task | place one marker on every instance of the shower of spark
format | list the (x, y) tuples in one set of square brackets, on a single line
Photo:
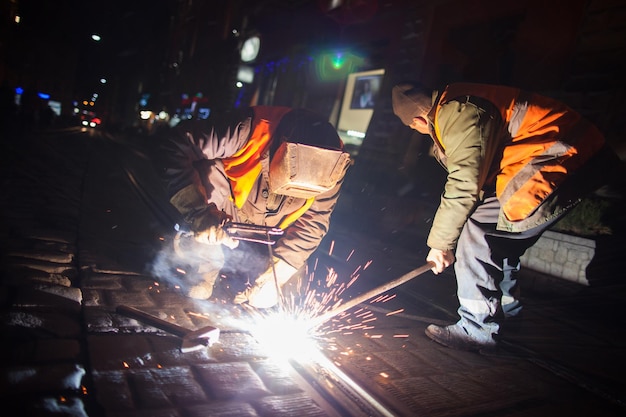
[(286, 332), (290, 332)]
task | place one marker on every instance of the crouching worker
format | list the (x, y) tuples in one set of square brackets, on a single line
[(266, 166)]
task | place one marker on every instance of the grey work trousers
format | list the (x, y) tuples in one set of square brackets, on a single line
[(487, 262)]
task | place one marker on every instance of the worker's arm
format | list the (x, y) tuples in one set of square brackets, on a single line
[(183, 147), (303, 237), (466, 134)]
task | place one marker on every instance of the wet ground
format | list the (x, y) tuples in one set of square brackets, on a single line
[(82, 226)]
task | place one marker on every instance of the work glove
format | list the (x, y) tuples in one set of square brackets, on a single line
[(263, 293), (205, 219)]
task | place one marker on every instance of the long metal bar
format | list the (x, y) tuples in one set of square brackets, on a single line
[(151, 320), (319, 320)]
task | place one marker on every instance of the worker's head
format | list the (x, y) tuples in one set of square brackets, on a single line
[(411, 103), (307, 158)]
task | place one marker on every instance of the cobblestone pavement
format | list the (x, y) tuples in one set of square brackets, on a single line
[(79, 230)]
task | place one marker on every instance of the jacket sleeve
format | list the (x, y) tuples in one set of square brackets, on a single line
[(303, 237), (192, 141), (466, 131)]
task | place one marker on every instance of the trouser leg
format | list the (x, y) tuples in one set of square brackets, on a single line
[(487, 262)]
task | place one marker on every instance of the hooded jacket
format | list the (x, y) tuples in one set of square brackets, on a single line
[(521, 146), (229, 156)]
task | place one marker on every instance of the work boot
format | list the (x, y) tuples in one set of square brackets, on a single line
[(456, 336), (204, 289)]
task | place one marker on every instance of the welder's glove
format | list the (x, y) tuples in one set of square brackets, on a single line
[(206, 220), (263, 293)]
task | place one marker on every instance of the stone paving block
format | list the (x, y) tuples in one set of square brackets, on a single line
[(90, 280), (97, 260), (103, 320), (221, 409), (49, 256), (275, 378), (235, 346), (117, 352), (69, 293), (352, 343), (45, 266), (21, 276), (406, 363), (171, 314), (140, 283), (231, 380), (165, 295), (517, 384), (289, 406), (150, 393), (476, 398), (61, 405), (165, 387), (94, 298), (139, 299), (42, 351), (469, 360), (168, 412), (439, 358), (371, 367), (387, 340), (112, 391), (45, 378), (467, 388), (67, 237), (44, 246), (62, 210), (42, 323), (426, 398), (167, 352)]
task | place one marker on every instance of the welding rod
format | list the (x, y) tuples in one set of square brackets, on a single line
[(321, 319)]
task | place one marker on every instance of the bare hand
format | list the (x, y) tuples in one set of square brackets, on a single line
[(441, 258)]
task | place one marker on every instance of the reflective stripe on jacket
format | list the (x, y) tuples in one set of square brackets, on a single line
[(244, 166), (547, 141)]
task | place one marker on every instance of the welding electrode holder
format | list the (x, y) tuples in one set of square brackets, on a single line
[(237, 231), (247, 232)]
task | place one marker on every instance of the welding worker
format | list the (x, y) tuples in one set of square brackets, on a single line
[(516, 162), (262, 165)]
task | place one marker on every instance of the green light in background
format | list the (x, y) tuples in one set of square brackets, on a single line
[(338, 61), (336, 65)]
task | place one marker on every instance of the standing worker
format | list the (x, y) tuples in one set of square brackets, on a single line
[(516, 162), (269, 166)]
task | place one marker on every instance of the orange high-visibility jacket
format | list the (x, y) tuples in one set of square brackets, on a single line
[(529, 147)]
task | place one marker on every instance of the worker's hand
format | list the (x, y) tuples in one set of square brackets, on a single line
[(441, 258), (206, 220), (207, 225), (264, 292)]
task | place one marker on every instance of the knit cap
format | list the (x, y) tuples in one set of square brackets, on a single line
[(404, 99)]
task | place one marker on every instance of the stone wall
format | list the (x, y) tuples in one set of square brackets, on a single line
[(560, 255)]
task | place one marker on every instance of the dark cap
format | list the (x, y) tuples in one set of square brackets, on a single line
[(405, 99)]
